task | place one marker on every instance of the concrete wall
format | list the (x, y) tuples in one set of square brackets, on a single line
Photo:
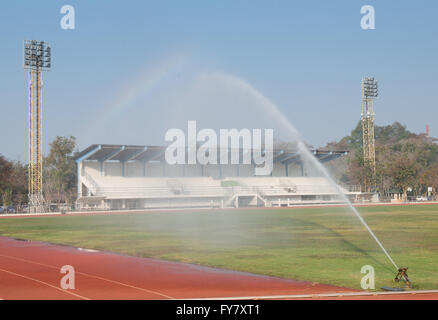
[(90, 167), (246, 170), (175, 170), (279, 170), (154, 169), (294, 169), (134, 169), (193, 170), (112, 168), (212, 170), (229, 170)]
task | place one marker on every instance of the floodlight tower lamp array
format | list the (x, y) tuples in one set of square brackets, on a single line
[(36, 58), (369, 93)]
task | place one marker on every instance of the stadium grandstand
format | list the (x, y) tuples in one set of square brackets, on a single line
[(115, 177)]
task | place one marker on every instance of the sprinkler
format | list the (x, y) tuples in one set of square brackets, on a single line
[(403, 275)]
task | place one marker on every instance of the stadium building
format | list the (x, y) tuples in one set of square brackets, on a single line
[(114, 177)]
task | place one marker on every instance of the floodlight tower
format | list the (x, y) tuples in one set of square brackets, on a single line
[(369, 92), (37, 58)]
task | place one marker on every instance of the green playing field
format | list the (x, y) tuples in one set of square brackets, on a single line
[(325, 245)]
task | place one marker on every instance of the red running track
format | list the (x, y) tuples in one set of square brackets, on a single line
[(31, 270)]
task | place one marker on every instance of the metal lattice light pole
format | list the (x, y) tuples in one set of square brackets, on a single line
[(37, 58), (369, 92)]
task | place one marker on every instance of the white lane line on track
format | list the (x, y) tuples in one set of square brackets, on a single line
[(45, 283), (91, 276), (321, 295)]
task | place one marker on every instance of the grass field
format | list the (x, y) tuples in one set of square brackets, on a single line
[(325, 245)]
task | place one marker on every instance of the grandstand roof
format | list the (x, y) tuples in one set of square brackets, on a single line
[(106, 152)]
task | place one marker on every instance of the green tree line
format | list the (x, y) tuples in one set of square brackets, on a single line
[(404, 160), (59, 175)]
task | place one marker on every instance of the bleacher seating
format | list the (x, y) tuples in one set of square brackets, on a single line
[(126, 177), (277, 190)]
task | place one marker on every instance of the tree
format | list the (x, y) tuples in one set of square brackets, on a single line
[(13, 182), (354, 140), (5, 173), (404, 173), (19, 183), (429, 178), (403, 159), (60, 170), (7, 197), (6, 170), (391, 133)]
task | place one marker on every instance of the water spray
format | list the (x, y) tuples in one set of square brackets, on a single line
[(402, 274), (271, 109), (308, 155)]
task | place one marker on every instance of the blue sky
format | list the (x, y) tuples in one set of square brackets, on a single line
[(122, 75)]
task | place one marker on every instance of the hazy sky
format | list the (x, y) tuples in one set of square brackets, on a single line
[(131, 69)]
